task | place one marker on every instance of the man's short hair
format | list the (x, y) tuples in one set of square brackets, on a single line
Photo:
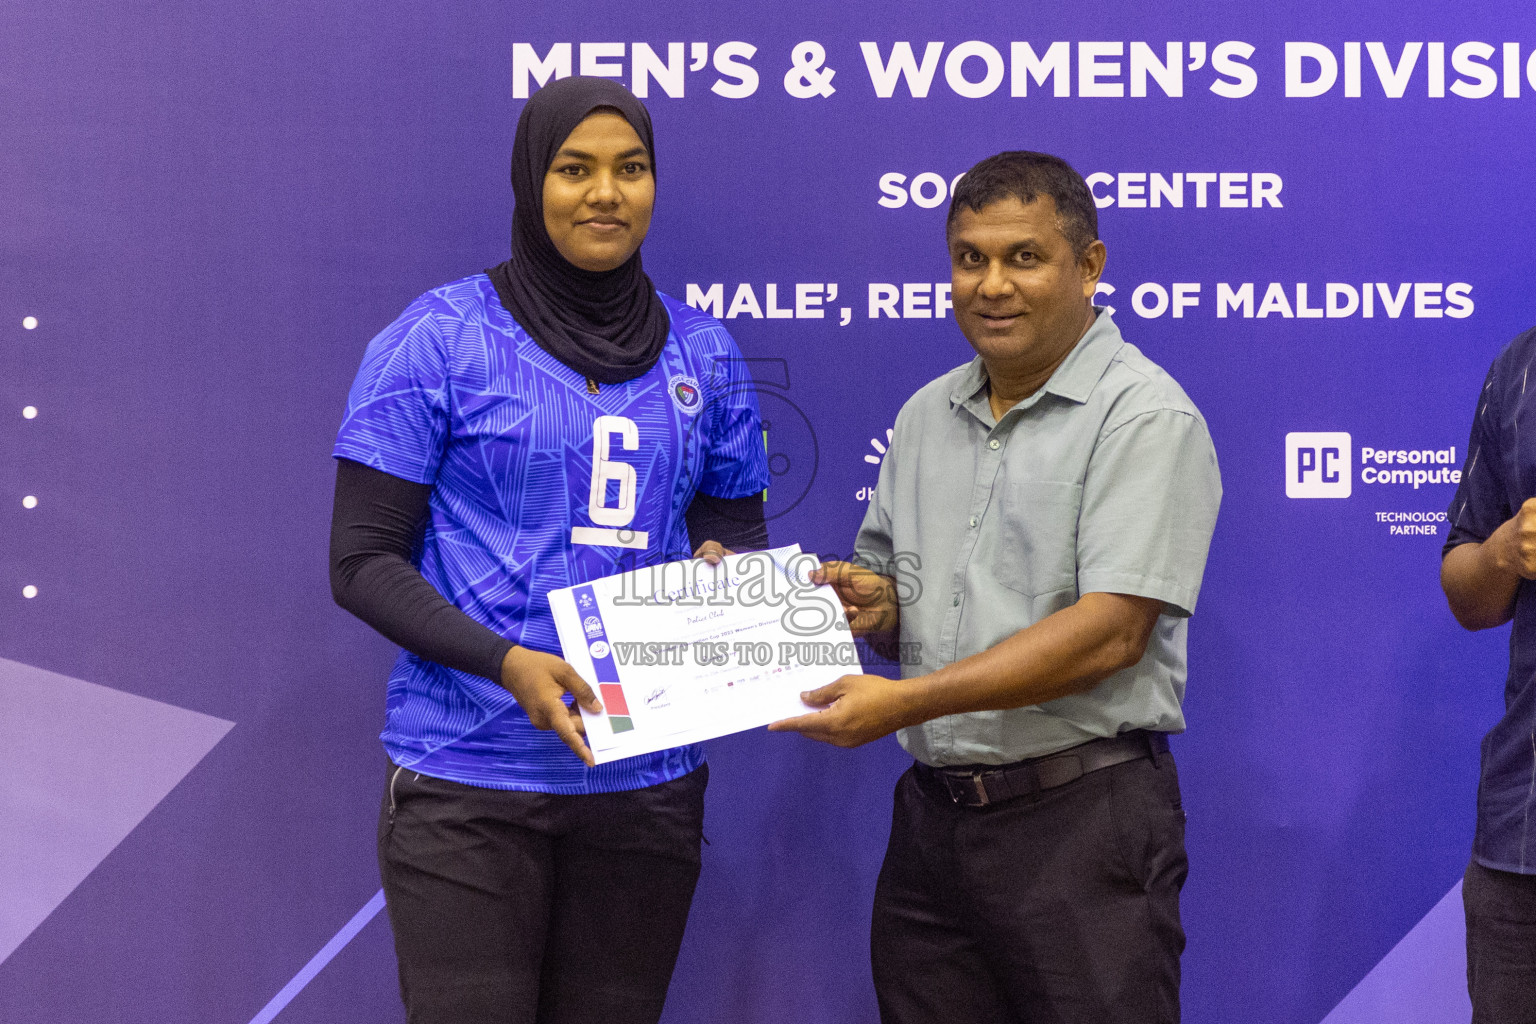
[(1026, 176)]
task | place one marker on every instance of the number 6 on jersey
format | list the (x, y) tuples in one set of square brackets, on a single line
[(612, 518)]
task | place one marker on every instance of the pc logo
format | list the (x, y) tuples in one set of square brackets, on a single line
[(1318, 465)]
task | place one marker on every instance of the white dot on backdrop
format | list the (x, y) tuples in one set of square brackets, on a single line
[(29, 591), (29, 413), (29, 322), (30, 501)]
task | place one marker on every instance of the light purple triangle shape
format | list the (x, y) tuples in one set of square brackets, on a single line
[(1422, 981), (80, 766)]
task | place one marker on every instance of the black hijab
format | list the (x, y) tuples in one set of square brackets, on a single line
[(607, 325)]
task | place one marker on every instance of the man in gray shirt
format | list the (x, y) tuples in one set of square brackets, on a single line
[(1037, 537)]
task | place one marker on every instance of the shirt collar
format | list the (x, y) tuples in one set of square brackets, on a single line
[(1073, 380)]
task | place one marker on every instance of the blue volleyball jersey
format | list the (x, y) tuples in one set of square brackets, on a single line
[(537, 484)]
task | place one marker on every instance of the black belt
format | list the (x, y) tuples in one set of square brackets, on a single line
[(981, 785)]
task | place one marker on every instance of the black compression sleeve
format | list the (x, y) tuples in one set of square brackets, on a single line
[(737, 523), (375, 523)]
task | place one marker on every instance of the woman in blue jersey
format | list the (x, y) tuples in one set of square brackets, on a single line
[(523, 882)]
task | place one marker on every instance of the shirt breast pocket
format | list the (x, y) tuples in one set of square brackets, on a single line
[(1036, 535)]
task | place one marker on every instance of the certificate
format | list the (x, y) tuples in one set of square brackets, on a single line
[(687, 651)]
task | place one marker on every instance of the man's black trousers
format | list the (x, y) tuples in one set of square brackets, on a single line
[(1061, 907), (1501, 945), (531, 908)]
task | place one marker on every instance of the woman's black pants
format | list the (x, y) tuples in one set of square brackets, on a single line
[(532, 908)]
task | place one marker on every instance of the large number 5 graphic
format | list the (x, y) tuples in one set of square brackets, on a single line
[(613, 517)]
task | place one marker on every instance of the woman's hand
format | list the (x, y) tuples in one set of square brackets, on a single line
[(712, 551), (539, 682)]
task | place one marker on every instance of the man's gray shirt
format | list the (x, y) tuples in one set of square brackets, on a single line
[(1104, 480)]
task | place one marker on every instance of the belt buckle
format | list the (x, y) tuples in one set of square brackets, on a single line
[(981, 789), (966, 785)]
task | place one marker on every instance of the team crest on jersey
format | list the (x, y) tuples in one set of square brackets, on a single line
[(685, 393)]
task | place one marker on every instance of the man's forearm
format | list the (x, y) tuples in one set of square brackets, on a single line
[(1479, 583), (1068, 652)]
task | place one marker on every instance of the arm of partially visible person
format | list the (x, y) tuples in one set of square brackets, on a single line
[(1490, 547), (1480, 580), (374, 525)]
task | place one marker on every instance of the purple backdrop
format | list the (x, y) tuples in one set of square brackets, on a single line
[(209, 209)]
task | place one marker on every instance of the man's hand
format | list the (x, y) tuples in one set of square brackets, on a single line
[(1481, 580), (857, 709), (1515, 542), (539, 681), (869, 599)]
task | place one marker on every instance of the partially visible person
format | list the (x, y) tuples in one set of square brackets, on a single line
[(1050, 504), (551, 421), (1486, 569)]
